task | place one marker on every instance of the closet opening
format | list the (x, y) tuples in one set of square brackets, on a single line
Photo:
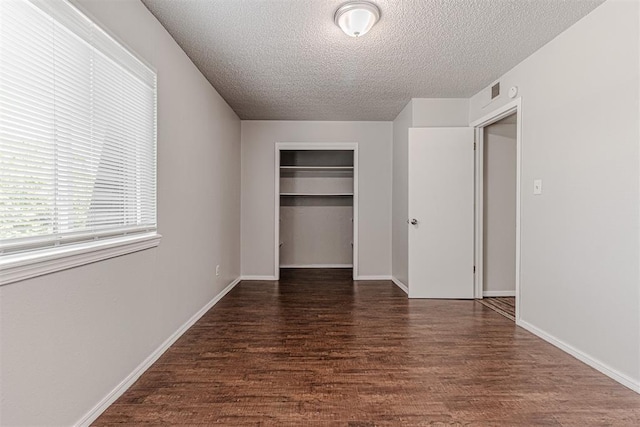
[(497, 222), (316, 207)]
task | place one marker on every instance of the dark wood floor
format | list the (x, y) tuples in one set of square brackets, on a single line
[(503, 305), (318, 349)]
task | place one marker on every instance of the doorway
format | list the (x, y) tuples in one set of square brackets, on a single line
[(499, 216), (446, 210), (497, 233)]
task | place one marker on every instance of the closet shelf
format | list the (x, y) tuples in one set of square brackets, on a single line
[(316, 168), (316, 194)]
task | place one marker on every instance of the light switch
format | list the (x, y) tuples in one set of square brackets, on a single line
[(537, 186)]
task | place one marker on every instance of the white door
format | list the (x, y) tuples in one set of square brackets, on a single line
[(441, 200)]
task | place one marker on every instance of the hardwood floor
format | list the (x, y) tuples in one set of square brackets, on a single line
[(318, 349), (503, 305)]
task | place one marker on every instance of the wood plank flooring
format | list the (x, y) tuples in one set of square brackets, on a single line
[(317, 349), (503, 305)]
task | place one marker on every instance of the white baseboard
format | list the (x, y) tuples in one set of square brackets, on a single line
[(373, 278), (583, 357), (318, 266), (499, 293), (114, 394), (401, 285), (258, 278)]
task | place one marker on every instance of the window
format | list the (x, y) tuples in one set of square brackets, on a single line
[(77, 133)]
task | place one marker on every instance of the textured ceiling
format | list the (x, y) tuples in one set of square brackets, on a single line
[(287, 60)]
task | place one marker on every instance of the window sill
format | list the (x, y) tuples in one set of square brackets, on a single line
[(17, 267)]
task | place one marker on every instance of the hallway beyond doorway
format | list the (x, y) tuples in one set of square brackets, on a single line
[(503, 305)]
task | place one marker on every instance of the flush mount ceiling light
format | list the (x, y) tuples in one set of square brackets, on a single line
[(357, 17)]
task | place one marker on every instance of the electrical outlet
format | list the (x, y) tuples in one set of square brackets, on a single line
[(537, 186), (217, 270)]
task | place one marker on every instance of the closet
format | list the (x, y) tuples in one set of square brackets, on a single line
[(316, 208)]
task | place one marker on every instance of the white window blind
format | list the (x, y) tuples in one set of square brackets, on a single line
[(77, 130)]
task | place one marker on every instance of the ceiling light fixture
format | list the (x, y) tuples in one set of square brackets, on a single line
[(357, 17)]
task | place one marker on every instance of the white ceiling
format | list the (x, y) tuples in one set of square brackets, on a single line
[(287, 60)]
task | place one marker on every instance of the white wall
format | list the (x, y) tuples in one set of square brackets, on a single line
[(440, 112), (69, 338), (419, 112), (499, 243), (580, 133), (258, 187), (316, 232)]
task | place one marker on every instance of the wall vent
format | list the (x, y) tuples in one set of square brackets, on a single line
[(495, 90)]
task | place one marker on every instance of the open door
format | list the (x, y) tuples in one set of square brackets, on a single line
[(441, 212)]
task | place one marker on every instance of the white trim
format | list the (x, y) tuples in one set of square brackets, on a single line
[(318, 266), (383, 277), (583, 357), (487, 294), (347, 146), (317, 168), (518, 109), (263, 278), (21, 266), (317, 146), (401, 285), (514, 106), (317, 194), (638, 229), (276, 217), (497, 114), (104, 28), (478, 235), (356, 210), (111, 397)]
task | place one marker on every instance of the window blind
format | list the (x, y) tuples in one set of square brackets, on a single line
[(77, 130)]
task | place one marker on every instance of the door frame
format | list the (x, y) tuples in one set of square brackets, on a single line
[(283, 146), (500, 113)]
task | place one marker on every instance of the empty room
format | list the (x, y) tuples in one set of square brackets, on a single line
[(324, 213)]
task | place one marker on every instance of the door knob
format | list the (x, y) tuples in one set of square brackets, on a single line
[(412, 221)]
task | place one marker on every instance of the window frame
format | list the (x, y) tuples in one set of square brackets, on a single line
[(26, 265), (29, 263)]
